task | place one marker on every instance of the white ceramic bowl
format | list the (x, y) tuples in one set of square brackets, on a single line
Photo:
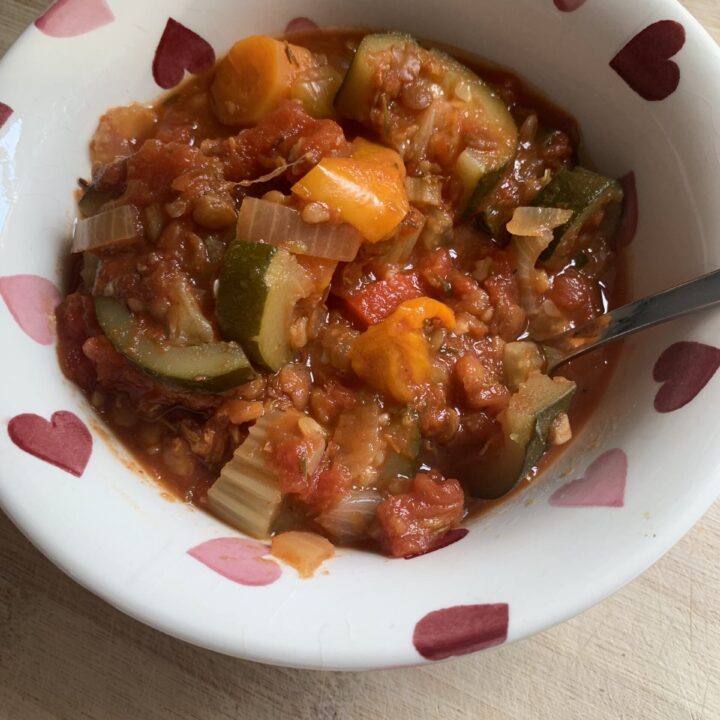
[(542, 557)]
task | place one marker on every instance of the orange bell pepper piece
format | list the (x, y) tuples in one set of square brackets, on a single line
[(393, 356), (366, 189)]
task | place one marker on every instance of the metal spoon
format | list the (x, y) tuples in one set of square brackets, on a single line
[(703, 292)]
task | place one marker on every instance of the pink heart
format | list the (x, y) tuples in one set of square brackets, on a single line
[(70, 18), (180, 49), (568, 5), (645, 64), (31, 300), (65, 441), (602, 486), (450, 537), (5, 112), (461, 630), (239, 560), (685, 368), (300, 24), (631, 213)]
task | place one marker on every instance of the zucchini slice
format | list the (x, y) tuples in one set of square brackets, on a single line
[(526, 426), (258, 290), (521, 359), (402, 450), (93, 199), (210, 367), (354, 98), (584, 192), (247, 493), (479, 173), (489, 130)]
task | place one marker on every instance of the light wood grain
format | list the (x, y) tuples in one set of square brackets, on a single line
[(651, 651)]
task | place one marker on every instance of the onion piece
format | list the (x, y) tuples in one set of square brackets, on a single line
[(532, 231), (349, 520), (186, 323), (418, 147), (273, 223), (426, 190), (398, 249), (537, 221), (305, 551), (110, 228)]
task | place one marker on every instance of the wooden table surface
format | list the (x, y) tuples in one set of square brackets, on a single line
[(652, 651)]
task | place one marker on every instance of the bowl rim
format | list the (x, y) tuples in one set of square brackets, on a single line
[(129, 603)]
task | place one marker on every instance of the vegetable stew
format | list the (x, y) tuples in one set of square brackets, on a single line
[(307, 286)]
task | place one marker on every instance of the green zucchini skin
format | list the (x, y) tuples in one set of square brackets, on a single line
[(352, 99), (584, 192), (403, 451), (544, 418), (357, 95), (93, 199), (258, 288), (520, 360), (526, 427), (211, 367), (485, 185)]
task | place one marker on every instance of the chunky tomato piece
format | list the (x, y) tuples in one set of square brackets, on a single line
[(434, 270), (76, 322), (575, 296), (373, 302), (319, 488), (117, 375), (501, 284), (413, 521), (153, 169), (287, 133)]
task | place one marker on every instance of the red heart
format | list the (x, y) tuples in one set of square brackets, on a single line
[(5, 112), (70, 18), (461, 630), (300, 24), (645, 64), (31, 300), (602, 486), (449, 538), (685, 368), (569, 5), (65, 441), (239, 560), (180, 49), (631, 213)]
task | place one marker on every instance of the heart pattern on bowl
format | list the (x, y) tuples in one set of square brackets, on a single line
[(5, 112), (461, 630), (70, 18), (449, 538), (300, 24), (645, 62), (180, 49), (242, 561), (603, 484), (569, 5), (63, 441), (684, 368), (31, 300)]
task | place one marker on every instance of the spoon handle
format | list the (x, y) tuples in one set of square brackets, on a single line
[(689, 297)]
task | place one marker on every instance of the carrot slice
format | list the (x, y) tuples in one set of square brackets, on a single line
[(254, 77)]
